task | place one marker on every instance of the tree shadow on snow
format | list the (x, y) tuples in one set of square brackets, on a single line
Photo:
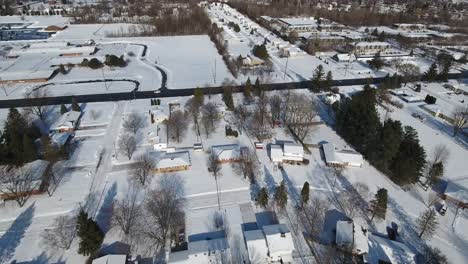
[(269, 181), (41, 259), (104, 215), (12, 237)]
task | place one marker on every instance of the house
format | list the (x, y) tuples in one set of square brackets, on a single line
[(410, 27), (61, 139), (171, 161), (226, 153), (256, 246), (288, 25), (293, 152), (331, 98), (291, 51), (68, 122), (202, 252), (111, 259), (352, 237), (157, 136), (456, 193), (384, 250), (33, 171), (158, 116), (288, 152), (369, 48), (280, 243), (341, 158), (344, 57)]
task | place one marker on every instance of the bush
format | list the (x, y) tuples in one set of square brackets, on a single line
[(430, 99), (261, 51), (112, 60), (94, 64)]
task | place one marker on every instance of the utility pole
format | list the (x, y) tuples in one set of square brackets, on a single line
[(286, 67)]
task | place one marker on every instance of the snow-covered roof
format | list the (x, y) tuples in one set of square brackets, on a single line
[(111, 259), (48, 44), (159, 115), (256, 246), (25, 75), (374, 44), (210, 245), (172, 159), (67, 120), (178, 257), (349, 234), (226, 152), (298, 21), (60, 138), (293, 149), (276, 153), (345, 57), (457, 190), (340, 157), (383, 249), (278, 238)]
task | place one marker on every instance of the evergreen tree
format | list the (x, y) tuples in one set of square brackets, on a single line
[(436, 171), (427, 223), (257, 87), (379, 204), (376, 63), (199, 96), (62, 69), (357, 120), (63, 109), (12, 138), (305, 193), (248, 89), (386, 144), (328, 81), (91, 236), (75, 106), (227, 98), (431, 74), (317, 78), (261, 51), (262, 197), (281, 195), (407, 166), (29, 150)]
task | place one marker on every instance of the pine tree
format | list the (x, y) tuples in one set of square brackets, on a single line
[(227, 98), (305, 193), (262, 197), (257, 87), (12, 138), (63, 109), (386, 145), (427, 223), (328, 81), (248, 89), (379, 204), (431, 74), (435, 173), (376, 63), (75, 106), (199, 97), (407, 166), (281, 195), (91, 236), (317, 78), (29, 150)]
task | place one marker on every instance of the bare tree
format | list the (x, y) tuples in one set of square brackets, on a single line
[(300, 114), (248, 165), (260, 124), (165, 209), (193, 108), (460, 117), (210, 117), (409, 72), (215, 168), (39, 107), (128, 211), (18, 183), (241, 113), (432, 255), (143, 168), (177, 125), (313, 215), (127, 144), (55, 175), (133, 122), (275, 108), (427, 223), (62, 233), (435, 166)]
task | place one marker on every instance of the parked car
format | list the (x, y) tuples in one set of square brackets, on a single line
[(442, 208)]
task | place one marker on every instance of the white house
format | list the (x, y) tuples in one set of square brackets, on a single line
[(276, 153), (352, 237), (66, 123), (341, 158), (344, 57), (171, 161), (293, 152), (280, 243), (256, 246), (111, 259), (202, 252), (157, 136), (226, 153), (384, 250)]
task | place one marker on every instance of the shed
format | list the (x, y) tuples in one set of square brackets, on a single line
[(341, 158), (293, 152), (276, 153)]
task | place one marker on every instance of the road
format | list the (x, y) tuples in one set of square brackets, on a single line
[(123, 96)]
